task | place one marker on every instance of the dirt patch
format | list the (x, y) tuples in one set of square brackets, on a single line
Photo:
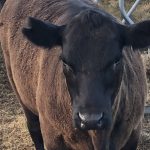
[(13, 130)]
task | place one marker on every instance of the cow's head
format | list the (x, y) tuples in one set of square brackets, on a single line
[(92, 44)]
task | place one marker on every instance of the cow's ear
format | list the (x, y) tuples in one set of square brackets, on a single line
[(43, 34), (137, 35)]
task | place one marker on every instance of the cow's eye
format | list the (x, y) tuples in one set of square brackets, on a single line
[(67, 68), (116, 64)]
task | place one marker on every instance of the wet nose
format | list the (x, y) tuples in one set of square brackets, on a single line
[(91, 121)]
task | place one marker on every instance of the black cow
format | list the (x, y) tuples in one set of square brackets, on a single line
[(85, 89)]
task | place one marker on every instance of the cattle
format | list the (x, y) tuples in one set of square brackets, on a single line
[(77, 73)]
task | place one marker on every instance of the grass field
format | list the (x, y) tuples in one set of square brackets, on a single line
[(13, 130)]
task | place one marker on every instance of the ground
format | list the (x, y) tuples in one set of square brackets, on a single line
[(13, 130)]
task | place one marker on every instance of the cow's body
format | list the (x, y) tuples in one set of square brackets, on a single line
[(38, 80)]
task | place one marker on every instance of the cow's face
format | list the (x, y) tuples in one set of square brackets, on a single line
[(92, 46), (92, 58)]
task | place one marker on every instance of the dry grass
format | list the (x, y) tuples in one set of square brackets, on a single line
[(13, 130)]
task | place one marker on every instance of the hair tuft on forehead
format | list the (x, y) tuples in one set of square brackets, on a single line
[(92, 18)]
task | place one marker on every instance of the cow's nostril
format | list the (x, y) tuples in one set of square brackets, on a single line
[(82, 125), (101, 116), (82, 117), (100, 124)]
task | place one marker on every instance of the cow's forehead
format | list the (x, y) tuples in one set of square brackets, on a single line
[(92, 27), (89, 40), (92, 20)]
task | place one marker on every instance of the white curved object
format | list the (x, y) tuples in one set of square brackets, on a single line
[(125, 14)]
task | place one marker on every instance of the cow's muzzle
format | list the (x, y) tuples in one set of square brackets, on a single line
[(86, 121)]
